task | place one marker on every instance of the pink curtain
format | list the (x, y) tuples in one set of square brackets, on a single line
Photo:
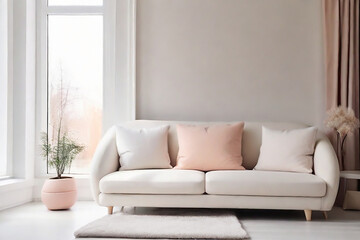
[(341, 35)]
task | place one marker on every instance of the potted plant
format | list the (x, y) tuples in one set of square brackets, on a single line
[(59, 192)]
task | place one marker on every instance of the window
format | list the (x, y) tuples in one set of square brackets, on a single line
[(74, 39)]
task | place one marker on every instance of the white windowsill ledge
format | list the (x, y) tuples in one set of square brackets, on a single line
[(76, 176), (10, 184), (4, 178), (81, 180)]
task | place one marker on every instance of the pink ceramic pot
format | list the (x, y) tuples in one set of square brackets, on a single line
[(59, 194)]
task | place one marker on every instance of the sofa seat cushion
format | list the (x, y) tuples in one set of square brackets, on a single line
[(264, 183), (154, 181)]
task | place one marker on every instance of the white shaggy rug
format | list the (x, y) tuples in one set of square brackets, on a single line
[(166, 224)]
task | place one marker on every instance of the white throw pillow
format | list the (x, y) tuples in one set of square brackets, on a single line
[(289, 150), (143, 148)]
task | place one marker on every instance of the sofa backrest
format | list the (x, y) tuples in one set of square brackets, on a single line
[(251, 140)]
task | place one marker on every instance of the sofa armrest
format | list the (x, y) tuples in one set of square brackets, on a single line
[(326, 166), (105, 161)]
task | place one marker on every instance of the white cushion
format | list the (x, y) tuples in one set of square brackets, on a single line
[(288, 150), (154, 181), (264, 183), (143, 148)]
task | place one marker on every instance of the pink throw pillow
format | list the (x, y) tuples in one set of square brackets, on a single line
[(216, 147)]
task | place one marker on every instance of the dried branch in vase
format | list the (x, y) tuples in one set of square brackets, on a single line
[(344, 122)]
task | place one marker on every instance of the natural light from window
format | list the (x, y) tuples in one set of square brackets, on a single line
[(75, 73)]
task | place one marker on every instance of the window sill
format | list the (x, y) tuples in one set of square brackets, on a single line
[(4, 178), (82, 181), (76, 176), (10, 184)]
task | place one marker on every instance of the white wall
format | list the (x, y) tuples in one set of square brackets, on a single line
[(196, 60), (230, 60)]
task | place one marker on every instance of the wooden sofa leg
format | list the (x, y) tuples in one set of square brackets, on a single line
[(325, 215), (308, 214), (110, 210)]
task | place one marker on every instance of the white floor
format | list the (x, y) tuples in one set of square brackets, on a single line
[(33, 221)]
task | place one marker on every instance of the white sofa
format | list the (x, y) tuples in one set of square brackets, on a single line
[(251, 189)]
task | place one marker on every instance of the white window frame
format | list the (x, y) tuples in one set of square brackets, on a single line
[(6, 85), (118, 70)]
